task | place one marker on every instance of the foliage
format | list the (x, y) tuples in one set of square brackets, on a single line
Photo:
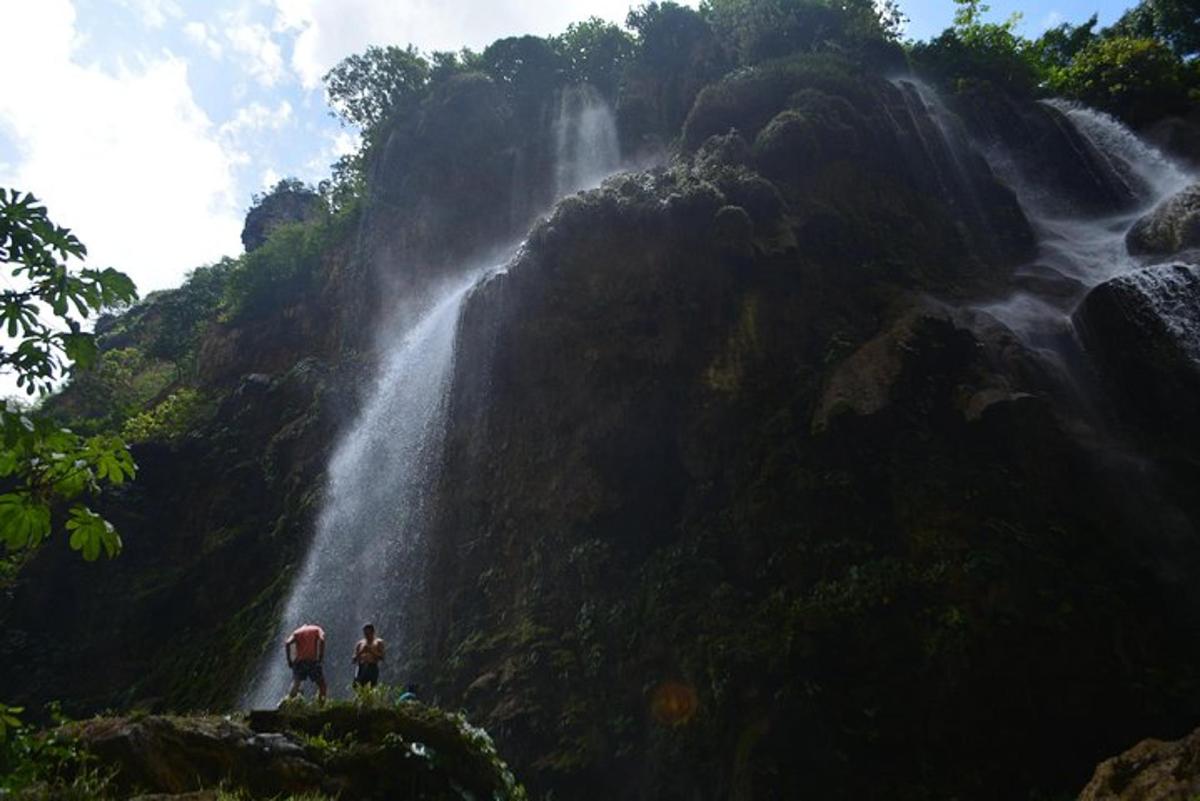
[(974, 49), (1138, 80), (763, 29), (184, 313), (677, 55), (37, 251), (529, 68), (174, 416), (1057, 46), (595, 51), (1176, 23), (45, 465), (281, 270), (366, 88), (48, 765), (445, 64)]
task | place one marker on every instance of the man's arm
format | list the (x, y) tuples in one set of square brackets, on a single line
[(321, 649), (287, 649)]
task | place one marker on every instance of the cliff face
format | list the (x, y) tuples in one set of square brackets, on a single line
[(742, 496), (737, 505)]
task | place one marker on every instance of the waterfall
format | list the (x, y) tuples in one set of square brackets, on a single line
[(1078, 252), (363, 560), (366, 560), (586, 146), (1150, 173)]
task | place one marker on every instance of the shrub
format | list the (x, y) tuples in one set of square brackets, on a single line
[(175, 415), (1138, 80)]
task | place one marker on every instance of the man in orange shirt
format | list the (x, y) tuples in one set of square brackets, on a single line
[(309, 642)]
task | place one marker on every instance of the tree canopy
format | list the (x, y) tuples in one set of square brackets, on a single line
[(49, 470)]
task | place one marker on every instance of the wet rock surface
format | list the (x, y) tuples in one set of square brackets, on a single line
[(1143, 330), (1172, 227)]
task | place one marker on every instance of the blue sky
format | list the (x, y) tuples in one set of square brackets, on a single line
[(147, 125)]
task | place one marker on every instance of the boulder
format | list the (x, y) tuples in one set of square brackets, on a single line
[(1142, 330), (177, 755), (1172, 227), (1152, 770)]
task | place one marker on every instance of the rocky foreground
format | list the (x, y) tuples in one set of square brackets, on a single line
[(344, 750), (1153, 770)]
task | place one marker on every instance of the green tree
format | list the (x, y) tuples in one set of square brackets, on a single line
[(528, 67), (1138, 80), (1173, 22), (762, 29), (49, 471), (1058, 46), (677, 55), (366, 88), (976, 49), (595, 52)]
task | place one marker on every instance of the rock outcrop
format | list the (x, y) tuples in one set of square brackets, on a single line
[(1172, 227), (294, 204), (374, 752), (1153, 770), (1143, 331)]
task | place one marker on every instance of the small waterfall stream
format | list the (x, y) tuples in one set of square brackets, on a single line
[(365, 562), (1076, 252), (587, 149)]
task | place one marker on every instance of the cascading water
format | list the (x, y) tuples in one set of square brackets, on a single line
[(1078, 252), (365, 561), (587, 149)]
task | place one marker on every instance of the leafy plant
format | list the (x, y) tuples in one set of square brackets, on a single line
[(176, 414), (1138, 80), (366, 88)]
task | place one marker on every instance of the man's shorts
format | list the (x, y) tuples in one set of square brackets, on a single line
[(368, 674), (308, 671)]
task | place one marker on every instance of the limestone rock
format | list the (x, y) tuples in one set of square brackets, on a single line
[(1143, 330), (282, 206), (1172, 227), (1152, 770)]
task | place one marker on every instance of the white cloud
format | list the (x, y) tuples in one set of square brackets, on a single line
[(154, 13), (327, 31), (258, 117), (270, 178), (344, 143), (126, 159), (198, 33), (260, 54)]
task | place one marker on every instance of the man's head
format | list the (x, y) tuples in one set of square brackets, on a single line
[(369, 631)]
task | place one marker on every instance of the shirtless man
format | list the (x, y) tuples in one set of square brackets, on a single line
[(309, 643), (368, 653)]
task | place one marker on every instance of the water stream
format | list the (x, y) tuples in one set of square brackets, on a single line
[(1077, 252)]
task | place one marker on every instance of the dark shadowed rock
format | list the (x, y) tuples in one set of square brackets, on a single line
[(376, 752), (1143, 330), (1173, 226), (178, 755), (1043, 149)]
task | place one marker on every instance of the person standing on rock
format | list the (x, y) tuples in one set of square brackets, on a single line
[(368, 653), (309, 644)]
